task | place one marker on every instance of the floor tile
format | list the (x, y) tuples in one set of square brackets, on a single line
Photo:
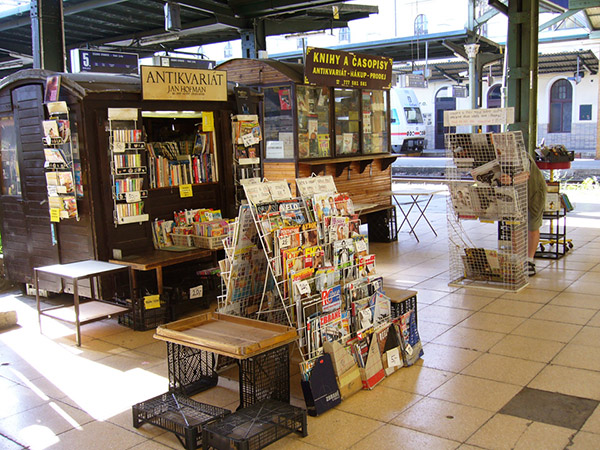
[(568, 380), (588, 336), (582, 287), (530, 295), (97, 436), (593, 423), (527, 348), (131, 339), (549, 284), (579, 356), (492, 322), (417, 379), (469, 338), (151, 445), (464, 301), (17, 399), (504, 369), (585, 441), (545, 329), (595, 321), (8, 444), (507, 307), (354, 429), (544, 437), (381, 403), (449, 359), (443, 315), (551, 408), (564, 314), (577, 300), (444, 419), (428, 331), (428, 296), (389, 436), (477, 392), (500, 432)]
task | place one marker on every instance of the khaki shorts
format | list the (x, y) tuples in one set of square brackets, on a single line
[(535, 207)]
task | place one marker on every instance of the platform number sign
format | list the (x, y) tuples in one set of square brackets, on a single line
[(106, 62)]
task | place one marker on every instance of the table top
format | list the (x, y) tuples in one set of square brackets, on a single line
[(234, 336), (80, 269), (417, 191), (161, 258)]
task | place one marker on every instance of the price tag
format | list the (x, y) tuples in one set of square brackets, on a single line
[(119, 147), (409, 349), (361, 245), (54, 215), (185, 190), (152, 301), (208, 121), (196, 292), (393, 358), (303, 287), (133, 197), (285, 241)]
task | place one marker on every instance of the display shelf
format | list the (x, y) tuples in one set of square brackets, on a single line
[(246, 139), (58, 165), (555, 237), (485, 175), (319, 165), (128, 172)]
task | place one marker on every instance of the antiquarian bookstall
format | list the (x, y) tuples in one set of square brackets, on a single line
[(330, 117), (95, 164)]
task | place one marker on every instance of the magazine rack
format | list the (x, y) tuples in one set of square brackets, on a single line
[(59, 163), (486, 175)]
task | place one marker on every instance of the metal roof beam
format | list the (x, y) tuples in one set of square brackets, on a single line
[(558, 18), (447, 75), (501, 7), (268, 8)]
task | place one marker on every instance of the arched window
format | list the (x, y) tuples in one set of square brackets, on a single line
[(420, 25), (561, 97), (228, 51)]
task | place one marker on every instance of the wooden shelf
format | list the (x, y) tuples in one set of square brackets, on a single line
[(208, 183), (318, 165), (88, 312)]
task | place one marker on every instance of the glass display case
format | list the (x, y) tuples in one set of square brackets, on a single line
[(278, 122), (347, 121), (313, 122), (11, 180), (375, 123)]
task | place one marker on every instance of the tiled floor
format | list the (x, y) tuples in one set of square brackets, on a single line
[(482, 348)]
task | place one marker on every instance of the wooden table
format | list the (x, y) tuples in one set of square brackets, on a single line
[(414, 195), (79, 313), (260, 348), (157, 259)]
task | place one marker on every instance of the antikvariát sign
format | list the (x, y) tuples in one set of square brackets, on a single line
[(324, 67), (171, 83)]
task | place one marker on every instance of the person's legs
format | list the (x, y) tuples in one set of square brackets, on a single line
[(533, 239)]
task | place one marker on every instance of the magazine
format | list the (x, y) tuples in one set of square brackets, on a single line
[(488, 174)]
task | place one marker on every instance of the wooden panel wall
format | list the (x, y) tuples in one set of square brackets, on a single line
[(367, 187), (281, 171)]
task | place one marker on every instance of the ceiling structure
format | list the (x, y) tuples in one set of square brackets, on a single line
[(138, 26)]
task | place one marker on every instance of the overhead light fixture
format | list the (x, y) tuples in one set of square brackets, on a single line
[(172, 16), (158, 39)]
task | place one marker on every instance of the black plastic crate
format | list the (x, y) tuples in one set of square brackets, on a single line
[(265, 376), (184, 417), (255, 427), (140, 318), (405, 301), (382, 225), (190, 370)]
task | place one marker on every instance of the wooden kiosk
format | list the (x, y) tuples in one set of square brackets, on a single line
[(30, 239), (336, 124)]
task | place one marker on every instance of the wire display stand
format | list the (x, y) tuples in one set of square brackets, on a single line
[(487, 178)]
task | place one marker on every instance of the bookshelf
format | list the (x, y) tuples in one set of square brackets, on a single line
[(58, 163), (128, 171), (487, 179), (188, 153)]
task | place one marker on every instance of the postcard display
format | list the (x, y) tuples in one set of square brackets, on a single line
[(302, 262), (246, 137), (59, 165), (128, 172), (487, 178)]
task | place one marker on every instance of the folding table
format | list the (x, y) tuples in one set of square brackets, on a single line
[(415, 196)]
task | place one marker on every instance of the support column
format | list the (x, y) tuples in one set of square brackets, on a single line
[(472, 50), (254, 40), (522, 50), (48, 34), (598, 121)]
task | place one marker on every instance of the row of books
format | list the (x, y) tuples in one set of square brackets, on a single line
[(128, 185), (129, 160), (194, 169), (126, 135), (130, 209)]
